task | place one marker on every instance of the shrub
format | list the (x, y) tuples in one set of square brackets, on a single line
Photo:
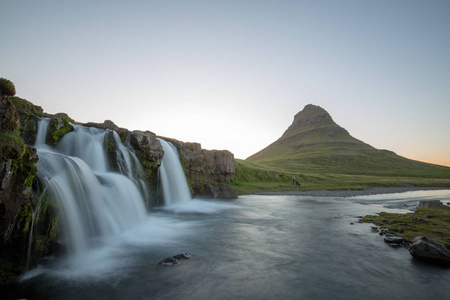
[(7, 87)]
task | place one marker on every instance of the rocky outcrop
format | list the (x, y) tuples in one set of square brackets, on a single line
[(209, 172), (150, 154), (422, 248), (431, 204), (60, 125), (108, 124), (17, 202)]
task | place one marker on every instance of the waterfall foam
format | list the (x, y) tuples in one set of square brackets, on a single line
[(175, 188), (93, 201)]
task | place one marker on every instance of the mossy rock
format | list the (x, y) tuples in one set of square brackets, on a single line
[(25, 108), (110, 146), (11, 146), (7, 87), (29, 130), (59, 126)]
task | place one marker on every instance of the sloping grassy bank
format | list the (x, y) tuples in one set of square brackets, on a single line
[(252, 177), (433, 223)]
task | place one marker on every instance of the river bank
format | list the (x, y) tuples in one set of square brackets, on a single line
[(352, 193)]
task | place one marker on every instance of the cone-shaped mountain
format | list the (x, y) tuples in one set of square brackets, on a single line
[(315, 142)]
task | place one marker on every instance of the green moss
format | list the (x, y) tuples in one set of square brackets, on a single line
[(431, 222), (57, 134), (123, 136), (7, 87), (25, 108), (26, 217), (25, 163), (12, 146), (29, 180), (149, 169), (29, 128), (111, 145)]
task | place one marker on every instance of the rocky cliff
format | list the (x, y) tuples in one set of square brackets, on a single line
[(23, 210), (209, 172), (18, 191)]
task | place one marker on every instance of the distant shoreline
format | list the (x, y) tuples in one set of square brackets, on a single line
[(352, 193)]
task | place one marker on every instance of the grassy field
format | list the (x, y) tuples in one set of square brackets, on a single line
[(252, 177)]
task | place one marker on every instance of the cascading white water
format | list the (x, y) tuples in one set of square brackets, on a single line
[(94, 202), (172, 178)]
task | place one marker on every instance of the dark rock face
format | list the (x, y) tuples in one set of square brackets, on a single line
[(431, 204), (17, 170), (175, 260), (150, 154), (422, 248), (209, 172)]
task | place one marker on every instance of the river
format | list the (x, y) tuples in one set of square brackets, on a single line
[(256, 247)]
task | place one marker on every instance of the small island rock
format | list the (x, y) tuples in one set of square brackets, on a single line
[(175, 260), (422, 248)]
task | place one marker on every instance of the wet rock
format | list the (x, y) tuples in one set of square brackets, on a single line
[(175, 260), (422, 248), (146, 146), (60, 125), (431, 204), (384, 231), (393, 239), (108, 124)]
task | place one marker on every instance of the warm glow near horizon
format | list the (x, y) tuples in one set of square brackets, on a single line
[(232, 75)]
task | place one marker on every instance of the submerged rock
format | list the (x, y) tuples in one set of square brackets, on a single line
[(422, 248), (175, 260)]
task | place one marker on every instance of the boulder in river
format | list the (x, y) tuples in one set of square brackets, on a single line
[(422, 248), (175, 260)]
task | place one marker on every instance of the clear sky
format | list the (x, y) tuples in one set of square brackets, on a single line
[(232, 74)]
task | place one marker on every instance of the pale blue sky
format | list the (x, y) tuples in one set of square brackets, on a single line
[(232, 74)]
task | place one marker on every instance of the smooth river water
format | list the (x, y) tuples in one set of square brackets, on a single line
[(256, 247)]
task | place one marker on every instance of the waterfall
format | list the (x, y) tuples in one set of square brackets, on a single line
[(93, 201), (30, 238), (175, 188)]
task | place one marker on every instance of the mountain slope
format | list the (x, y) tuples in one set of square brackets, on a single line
[(314, 142)]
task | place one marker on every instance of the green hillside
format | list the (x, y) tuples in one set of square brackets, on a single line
[(315, 143), (322, 155)]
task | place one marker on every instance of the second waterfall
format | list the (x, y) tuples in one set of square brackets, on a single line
[(175, 189)]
